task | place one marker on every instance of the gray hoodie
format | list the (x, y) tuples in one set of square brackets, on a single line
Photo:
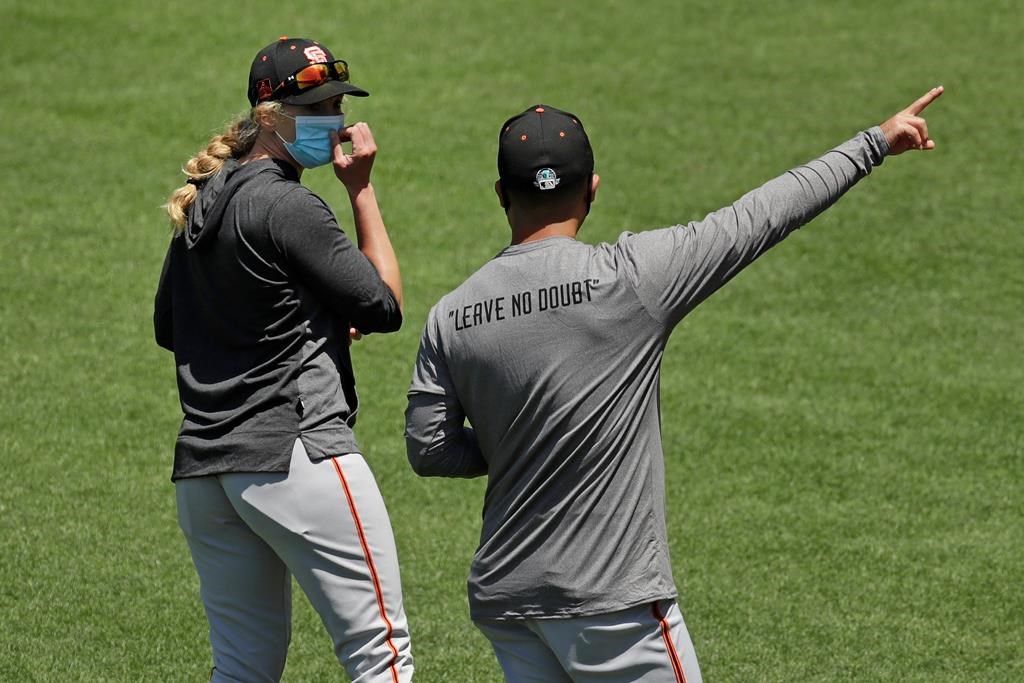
[(255, 300)]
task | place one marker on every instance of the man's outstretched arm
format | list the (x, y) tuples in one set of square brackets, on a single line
[(676, 268)]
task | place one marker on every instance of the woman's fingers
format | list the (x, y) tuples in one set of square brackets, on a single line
[(362, 140), (341, 160), (353, 169)]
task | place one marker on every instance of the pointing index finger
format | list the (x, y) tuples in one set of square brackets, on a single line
[(920, 103)]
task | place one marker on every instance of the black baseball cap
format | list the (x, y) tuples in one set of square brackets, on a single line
[(285, 57), (543, 148)]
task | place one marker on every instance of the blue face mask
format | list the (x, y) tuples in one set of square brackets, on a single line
[(312, 146)]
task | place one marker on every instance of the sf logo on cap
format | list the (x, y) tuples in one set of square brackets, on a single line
[(547, 179), (315, 54)]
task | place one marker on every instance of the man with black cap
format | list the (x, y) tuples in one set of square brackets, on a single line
[(552, 351), (257, 297)]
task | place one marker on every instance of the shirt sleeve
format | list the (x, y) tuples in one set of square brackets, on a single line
[(322, 256), (674, 269), (163, 305), (437, 442)]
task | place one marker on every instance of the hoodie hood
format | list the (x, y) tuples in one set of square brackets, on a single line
[(215, 193)]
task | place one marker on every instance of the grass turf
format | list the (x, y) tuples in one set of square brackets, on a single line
[(842, 422)]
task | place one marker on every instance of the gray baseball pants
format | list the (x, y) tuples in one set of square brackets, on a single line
[(323, 523), (647, 643)]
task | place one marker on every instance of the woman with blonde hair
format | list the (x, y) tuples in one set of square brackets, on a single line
[(257, 299)]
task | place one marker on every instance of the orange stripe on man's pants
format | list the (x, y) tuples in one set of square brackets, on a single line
[(666, 635), (371, 566)]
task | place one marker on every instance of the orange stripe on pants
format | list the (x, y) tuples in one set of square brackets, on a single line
[(666, 635), (372, 567)]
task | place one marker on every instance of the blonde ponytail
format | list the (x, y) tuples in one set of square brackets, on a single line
[(233, 143)]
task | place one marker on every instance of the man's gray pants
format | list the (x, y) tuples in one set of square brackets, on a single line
[(323, 523), (648, 643)]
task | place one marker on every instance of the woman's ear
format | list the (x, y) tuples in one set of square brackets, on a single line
[(266, 118)]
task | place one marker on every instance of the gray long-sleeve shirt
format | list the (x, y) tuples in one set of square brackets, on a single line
[(553, 350)]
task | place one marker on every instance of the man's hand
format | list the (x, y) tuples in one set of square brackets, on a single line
[(906, 130), (353, 170)]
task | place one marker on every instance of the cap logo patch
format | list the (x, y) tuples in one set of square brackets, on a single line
[(263, 90), (315, 54), (547, 179)]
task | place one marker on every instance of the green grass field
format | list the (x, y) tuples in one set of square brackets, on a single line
[(843, 424)]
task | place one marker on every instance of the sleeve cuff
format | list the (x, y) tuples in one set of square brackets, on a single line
[(879, 146)]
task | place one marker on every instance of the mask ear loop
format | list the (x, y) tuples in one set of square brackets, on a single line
[(287, 116)]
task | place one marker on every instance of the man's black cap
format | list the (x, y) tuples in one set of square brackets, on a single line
[(282, 58), (543, 149)]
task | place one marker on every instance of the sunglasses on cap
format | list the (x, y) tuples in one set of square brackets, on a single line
[(312, 76)]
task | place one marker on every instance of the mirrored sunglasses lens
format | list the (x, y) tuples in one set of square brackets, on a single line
[(312, 76)]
